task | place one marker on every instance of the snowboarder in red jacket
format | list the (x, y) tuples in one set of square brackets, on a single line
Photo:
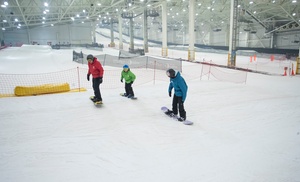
[(96, 69)]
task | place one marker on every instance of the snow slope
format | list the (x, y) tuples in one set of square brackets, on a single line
[(241, 132)]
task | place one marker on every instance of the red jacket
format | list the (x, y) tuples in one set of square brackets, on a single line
[(95, 68)]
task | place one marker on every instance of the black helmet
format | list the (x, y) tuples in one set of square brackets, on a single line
[(90, 57), (170, 73)]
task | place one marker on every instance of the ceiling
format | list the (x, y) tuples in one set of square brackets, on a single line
[(274, 15)]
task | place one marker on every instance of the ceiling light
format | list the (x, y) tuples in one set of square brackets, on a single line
[(3, 6), (19, 25), (294, 1), (99, 4), (46, 4), (77, 15), (4, 21), (3, 28), (52, 25), (43, 22), (5, 3), (73, 18), (16, 20), (44, 18), (294, 14), (83, 10)]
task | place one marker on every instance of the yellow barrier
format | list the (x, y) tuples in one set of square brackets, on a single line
[(41, 89), (298, 66)]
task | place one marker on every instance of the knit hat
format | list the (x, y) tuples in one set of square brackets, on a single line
[(90, 57), (125, 66), (170, 73)]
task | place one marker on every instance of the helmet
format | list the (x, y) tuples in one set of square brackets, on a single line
[(125, 66), (90, 57), (170, 73)]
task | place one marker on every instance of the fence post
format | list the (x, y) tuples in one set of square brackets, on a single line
[(154, 73), (146, 62), (78, 78), (209, 69), (201, 72), (104, 59)]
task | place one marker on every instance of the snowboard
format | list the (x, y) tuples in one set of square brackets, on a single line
[(186, 122), (132, 98), (96, 103)]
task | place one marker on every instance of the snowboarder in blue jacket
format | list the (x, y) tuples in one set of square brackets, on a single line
[(180, 91)]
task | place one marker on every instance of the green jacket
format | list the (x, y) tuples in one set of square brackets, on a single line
[(128, 76)]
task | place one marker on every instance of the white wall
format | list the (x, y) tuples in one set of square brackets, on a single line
[(77, 33)]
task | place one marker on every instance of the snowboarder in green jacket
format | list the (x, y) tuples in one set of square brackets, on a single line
[(129, 78)]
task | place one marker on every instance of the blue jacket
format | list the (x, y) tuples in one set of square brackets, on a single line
[(179, 85)]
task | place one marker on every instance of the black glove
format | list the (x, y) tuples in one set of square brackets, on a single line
[(88, 77), (122, 80), (170, 94), (100, 80)]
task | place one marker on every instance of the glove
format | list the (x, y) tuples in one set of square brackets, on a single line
[(170, 94), (100, 80), (88, 77), (122, 80)]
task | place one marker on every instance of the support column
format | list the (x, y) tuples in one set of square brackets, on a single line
[(272, 42), (131, 46), (29, 36), (298, 64), (227, 36), (164, 51), (112, 43), (145, 31), (120, 32), (233, 33), (191, 51), (94, 31)]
